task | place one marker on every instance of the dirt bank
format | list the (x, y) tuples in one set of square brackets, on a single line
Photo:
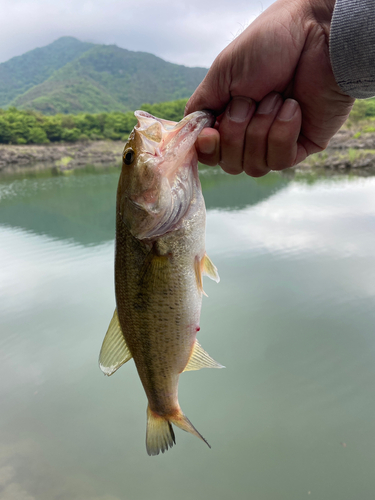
[(347, 150), (63, 156)]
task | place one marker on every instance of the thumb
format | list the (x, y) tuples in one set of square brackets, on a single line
[(213, 93)]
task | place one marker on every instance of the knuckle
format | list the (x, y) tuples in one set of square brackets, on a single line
[(256, 134), (255, 159), (256, 170), (230, 167), (280, 165), (211, 162)]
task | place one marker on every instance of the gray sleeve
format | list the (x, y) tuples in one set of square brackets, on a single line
[(352, 47)]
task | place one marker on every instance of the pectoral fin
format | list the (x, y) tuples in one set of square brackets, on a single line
[(205, 267), (200, 359), (114, 352), (156, 270), (209, 269)]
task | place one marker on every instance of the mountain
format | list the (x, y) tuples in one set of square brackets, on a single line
[(69, 76), (21, 73)]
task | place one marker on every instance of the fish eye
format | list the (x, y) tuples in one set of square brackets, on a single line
[(129, 156)]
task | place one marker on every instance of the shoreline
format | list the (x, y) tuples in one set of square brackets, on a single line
[(64, 156), (346, 152)]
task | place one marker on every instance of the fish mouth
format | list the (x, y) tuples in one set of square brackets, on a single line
[(169, 173), (170, 139)]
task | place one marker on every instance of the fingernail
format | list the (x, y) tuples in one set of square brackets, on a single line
[(239, 109), (268, 104), (288, 110), (206, 145)]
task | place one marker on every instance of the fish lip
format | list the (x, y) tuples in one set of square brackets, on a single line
[(156, 154), (147, 154), (211, 117), (188, 130), (195, 119)]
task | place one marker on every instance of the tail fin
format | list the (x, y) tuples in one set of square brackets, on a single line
[(160, 435)]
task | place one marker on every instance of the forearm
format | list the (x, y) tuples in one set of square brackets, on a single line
[(352, 47)]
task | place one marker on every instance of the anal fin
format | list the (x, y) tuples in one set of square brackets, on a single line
[(200, 359), (114, 352)]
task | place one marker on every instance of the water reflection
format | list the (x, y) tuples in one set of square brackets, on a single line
[(292, 319), (80, 207), (76, 207), (301, 218)]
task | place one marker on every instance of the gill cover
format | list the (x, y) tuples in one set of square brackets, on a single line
[(160, 173)]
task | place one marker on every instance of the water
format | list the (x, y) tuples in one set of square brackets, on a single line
[(292, 415)]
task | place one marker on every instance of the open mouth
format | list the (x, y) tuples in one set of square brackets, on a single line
[(171, 138)]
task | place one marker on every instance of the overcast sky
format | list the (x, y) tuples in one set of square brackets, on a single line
[(184, 32)]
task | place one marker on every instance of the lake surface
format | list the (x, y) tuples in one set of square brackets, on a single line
[(293, 414)]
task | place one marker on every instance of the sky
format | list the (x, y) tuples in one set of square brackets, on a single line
[(183, 32)]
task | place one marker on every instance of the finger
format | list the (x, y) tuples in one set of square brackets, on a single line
[(232, 133), (255, 153), (208, 146), (283, 147), (306, 147)]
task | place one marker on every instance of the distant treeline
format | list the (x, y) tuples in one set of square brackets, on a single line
[(362, 110), (30, 127)]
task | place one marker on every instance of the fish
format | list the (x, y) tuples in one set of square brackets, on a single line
[(160, 259)]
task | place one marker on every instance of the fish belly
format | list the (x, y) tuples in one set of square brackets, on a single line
[(158, 304)]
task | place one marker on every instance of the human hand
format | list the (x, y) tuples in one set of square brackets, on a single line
[(273, 91)]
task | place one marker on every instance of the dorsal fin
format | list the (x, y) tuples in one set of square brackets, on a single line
[(200, 359), (114, 352)]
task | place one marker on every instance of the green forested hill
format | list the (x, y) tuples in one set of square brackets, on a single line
[(75, 77), (21, 73)]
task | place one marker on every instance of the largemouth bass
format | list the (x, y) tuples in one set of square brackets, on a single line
[(159, 263)]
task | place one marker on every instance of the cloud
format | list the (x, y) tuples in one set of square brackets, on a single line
[(190, 33), (299, 219)]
